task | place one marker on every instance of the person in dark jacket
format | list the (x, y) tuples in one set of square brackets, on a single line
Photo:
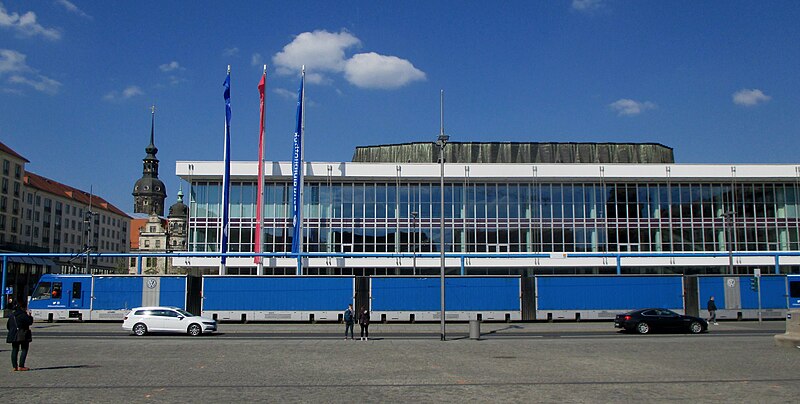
[(19, 335), (363, 321), (712, 311), (349, 320)]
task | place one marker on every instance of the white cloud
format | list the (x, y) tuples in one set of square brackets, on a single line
[(628, 107), (13, 63), (323, 52), (228, 52), (586, 5), (256, 59), (319, 51), (750, 97), (168, 67), (285, 93), (371, 70), (26, 25), (128, 92), (69, 6), (38, 82)]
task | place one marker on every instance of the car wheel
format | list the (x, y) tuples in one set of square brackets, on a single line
[(695, 327), (140, 329), (643, 328), (194, 330)]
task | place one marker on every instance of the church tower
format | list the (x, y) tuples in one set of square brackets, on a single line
[(178, 224), (149, 192)]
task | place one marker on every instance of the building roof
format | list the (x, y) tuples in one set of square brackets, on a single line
[(65, 191), (11, 151), (518, 152)]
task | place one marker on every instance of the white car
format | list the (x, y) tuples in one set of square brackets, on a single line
[(142, 320)]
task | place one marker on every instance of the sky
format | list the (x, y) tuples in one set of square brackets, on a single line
[(718, 81)]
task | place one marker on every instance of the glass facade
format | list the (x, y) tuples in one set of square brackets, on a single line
[(500, 217)]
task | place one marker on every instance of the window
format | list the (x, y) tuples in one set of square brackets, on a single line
[(5, 185), (76, 290), (42, 291), (56, 293), (17, 171), (6, 167)]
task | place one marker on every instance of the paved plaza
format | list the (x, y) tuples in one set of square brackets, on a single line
[(540, 362)]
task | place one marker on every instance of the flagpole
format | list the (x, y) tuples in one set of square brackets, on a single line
[(226, 174), (260, 203), (302, 169)]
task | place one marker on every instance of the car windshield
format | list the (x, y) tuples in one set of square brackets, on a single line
[(665, 312), (184, 313)]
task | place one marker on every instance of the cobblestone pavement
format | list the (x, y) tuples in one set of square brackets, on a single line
[(572, 362)]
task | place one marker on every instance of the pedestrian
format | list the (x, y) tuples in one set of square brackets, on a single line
[(712, 311), (363, 321), (349, 319), (19, 335)]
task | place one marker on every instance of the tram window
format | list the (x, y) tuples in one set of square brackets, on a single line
[(56, 290), (42, 291), (794, 289), (76, 290)]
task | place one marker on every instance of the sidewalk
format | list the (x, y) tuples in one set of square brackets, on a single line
[(421, 329)]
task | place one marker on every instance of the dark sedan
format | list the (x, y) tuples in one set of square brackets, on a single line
[(648, 320)]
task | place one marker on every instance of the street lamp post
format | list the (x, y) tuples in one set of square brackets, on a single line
[(441, 141), (728, 242), (414, 242)]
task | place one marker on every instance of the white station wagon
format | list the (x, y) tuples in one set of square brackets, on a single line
[(142, 320)]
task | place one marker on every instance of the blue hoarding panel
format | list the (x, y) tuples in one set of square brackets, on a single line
[(461, 294), (712, 286), (117, 292), (608, 292), (794, 291), (173, 291), (773, 292), (303, 293)]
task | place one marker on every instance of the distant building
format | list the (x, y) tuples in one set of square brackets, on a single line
[(10, 195), (149, 192), (61, 219), (154, 234), (40, 215)]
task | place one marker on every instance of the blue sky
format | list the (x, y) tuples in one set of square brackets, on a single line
[(717, 81)]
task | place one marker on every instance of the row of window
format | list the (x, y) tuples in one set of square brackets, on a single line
[(492, 200), (7, 169)]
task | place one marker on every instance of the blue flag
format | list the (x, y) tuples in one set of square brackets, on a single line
[(226, 177), (297, 173)]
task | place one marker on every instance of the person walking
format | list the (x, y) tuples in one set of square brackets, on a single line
[(349, 320), (363, 321), (19, 336), (712, 311)]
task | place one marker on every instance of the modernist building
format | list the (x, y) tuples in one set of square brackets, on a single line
[(510, 208)]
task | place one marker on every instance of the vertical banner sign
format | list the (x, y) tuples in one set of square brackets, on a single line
[(297, 175), (226, 176), (259, 199)]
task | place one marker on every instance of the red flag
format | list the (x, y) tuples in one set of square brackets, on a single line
[(259, 199)]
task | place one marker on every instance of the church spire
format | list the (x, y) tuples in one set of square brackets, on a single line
[(151, 148)]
